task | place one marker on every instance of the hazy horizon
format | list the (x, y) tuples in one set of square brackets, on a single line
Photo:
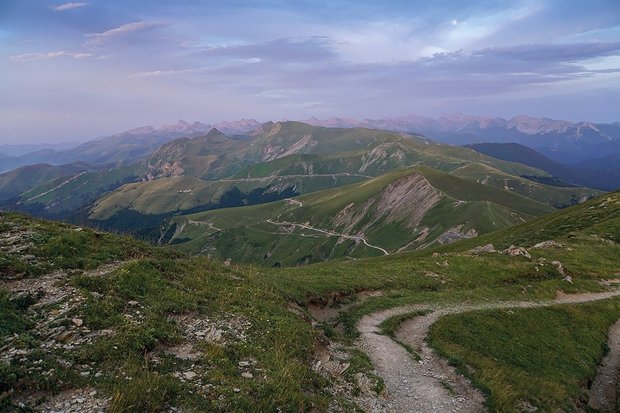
[(81, 70)]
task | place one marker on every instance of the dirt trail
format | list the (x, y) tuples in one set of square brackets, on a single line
[(431, 385), (604, 389), (272, 177), (60, 185), (329, 233)]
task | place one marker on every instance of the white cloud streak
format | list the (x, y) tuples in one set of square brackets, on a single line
[(29, 57), (68, 6), (96, 38)]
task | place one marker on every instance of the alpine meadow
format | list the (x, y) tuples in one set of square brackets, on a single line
[(417, 210)]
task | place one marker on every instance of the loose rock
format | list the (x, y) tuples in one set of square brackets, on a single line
[(482, 249), (559, 267), (514, 251), (189, 375), (548, 244)]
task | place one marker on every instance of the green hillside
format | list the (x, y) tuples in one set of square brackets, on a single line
[(589, 234), (473, 194), (300, 159), (184, 193), (70, 193), (406, 209), (27, 177), (125, 328), (556, 196)]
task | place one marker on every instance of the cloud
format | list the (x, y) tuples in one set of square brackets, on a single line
[(556, 52), (97, 38), (283, 50), (29, 57), (68, 6), (159, 73)]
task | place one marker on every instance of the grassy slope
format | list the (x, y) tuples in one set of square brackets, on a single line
[(137, 370), (247, 235), (541, 357), (27, 177), (184, 192), (591, 230), (557, 197), (58, 197)]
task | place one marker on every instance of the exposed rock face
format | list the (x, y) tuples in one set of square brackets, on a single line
[(482, 249), (517, 251), (407, 200), (271, 152), (548, 244), (382, 155), (456, 234), (166, 162)]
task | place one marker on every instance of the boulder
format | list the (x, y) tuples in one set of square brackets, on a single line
[(482, 249), (516, 251), (559, 267), (548, 244), (189, 375)]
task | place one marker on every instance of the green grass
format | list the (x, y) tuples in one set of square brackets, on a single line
[(12, 314), (61, 246), (543, 357), (137, 371), (389, 326), (590, 253), (280, 341)]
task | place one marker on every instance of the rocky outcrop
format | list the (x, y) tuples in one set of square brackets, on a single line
[(271, 152), (406, 200), (514, 251), (548, 244), (456, 234), (482, 249)]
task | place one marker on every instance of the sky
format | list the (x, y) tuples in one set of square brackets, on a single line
[(77, 70)]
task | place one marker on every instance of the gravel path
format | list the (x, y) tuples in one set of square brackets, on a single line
[(431, 385), (604, 389)]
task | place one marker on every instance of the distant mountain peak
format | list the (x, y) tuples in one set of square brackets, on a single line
[(239, 127), (142, 130), (530, 125)]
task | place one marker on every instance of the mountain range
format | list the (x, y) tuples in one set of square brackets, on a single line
[(169, 196), (562, 141), (122, 148), (297, 267)]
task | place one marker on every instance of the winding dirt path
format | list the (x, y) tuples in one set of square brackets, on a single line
[(431, 385), (280, 177), (329, 233)]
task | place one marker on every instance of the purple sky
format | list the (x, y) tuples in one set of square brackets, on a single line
[(74, 71)]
